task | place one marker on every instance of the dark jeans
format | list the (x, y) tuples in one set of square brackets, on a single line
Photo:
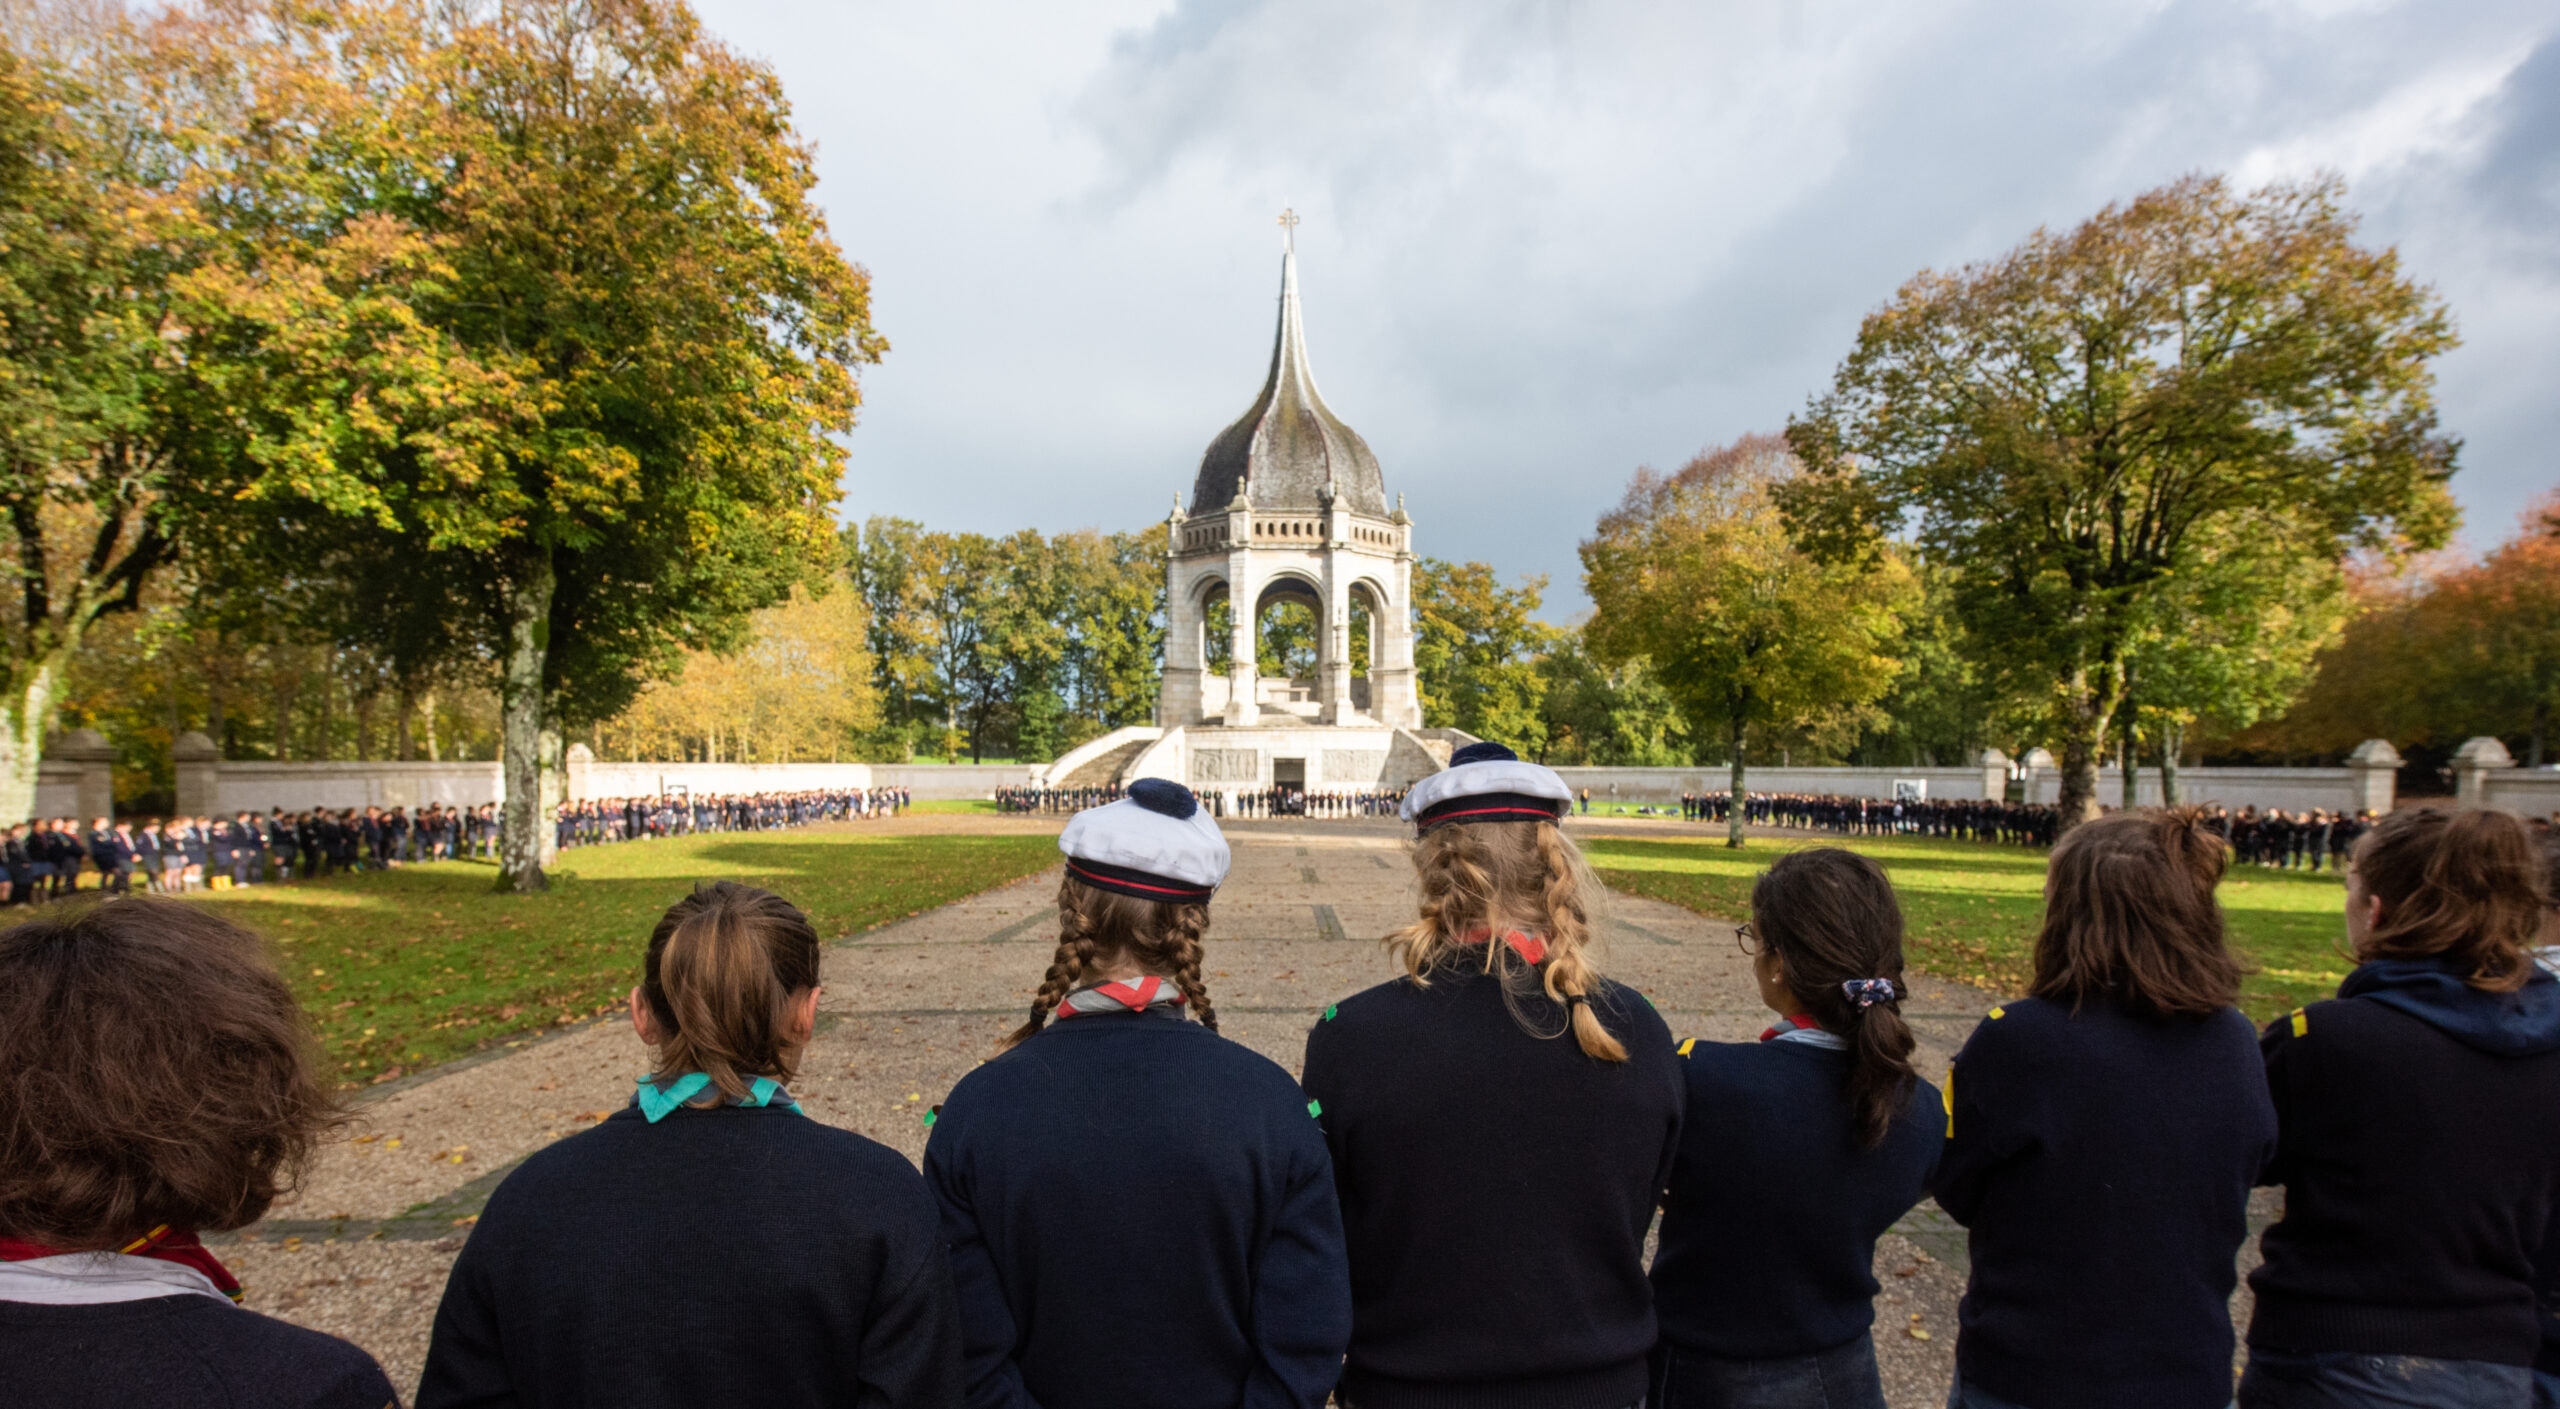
[(1964, 1396), (2546, 1390), (2279, 1379), (1840, 1378)]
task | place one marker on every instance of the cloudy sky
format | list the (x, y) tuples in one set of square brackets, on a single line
[(1545, 243)]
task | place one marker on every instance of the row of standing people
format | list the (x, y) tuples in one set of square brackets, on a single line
[(2296, 840), (1034, 799), (1451, 1206), (43, 860), (596, 821), (1960, 819)]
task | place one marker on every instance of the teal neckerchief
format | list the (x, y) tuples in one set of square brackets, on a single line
[(656, 1103)]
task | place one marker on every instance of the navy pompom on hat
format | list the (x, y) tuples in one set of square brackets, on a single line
[(1155, 844), (1486, 782)]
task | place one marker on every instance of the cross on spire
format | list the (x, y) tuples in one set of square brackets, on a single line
[(1289, 229)]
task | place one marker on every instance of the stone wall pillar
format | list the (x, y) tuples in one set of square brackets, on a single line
[(2037, 761), (1995, 774), (574, 769), (96, 759), (1394, 699), (2472, 765), (198, 763), (1244, 597), (2373, 777)]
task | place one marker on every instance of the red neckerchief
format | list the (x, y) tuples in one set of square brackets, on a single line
[(1797, 1023), (1528, 946), (1134, 995), (185, 1249)]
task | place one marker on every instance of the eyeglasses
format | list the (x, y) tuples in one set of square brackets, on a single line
[(1745, 939)]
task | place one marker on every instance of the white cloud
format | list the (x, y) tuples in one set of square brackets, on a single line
[(1548, 241)]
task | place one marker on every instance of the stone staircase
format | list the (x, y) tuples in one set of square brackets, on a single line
[(1103, 770)]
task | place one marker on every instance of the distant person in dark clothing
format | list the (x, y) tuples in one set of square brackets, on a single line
[(707, 1245), (2103, 1135), (1797, 1152), (2420, 1152), (1127, 1111), (1502, 1120), (159, 1086)]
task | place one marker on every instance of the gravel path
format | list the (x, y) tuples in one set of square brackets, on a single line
[(363, 1249)]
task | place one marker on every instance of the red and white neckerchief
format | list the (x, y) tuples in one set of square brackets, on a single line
[(162, 1262), (1123, 996), (1530, 947), (1797, 1027)]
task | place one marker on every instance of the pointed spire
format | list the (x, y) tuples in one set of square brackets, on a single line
[(1290, 447)]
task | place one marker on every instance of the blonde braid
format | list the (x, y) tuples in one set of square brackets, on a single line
[(1570, 977), (1182, 954), (1075, 956)]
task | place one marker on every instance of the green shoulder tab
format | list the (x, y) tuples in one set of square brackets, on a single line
[(1332, 1011), (1316, 1109)]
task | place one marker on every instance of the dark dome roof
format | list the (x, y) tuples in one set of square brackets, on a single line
[(1285, 450)]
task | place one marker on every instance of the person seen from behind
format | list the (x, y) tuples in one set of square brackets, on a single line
[(159, 1085), (1140, 1212), (1797, 1152), (708, 1245), (2420, 1145), (2103, 1134), (1502, 1121)]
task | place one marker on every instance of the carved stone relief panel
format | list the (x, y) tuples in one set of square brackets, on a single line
[(1226, 766)]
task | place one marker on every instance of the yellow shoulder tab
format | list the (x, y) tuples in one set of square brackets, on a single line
[(1947, 1098), (2301, 1022), (1685, 1046), (1999, 1012)]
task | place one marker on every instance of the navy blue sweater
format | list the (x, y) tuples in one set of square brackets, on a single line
[(731, 1256), (1140, 1213), (1769, 1231), (1497, 1185), (2103, 1162), (2418, 1189), (177, 1350)]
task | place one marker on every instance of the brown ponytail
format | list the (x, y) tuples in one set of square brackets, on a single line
[(2129, 917), (1831, 918), (1101, 929), (724, 965), (1504, 876), (2464, 885)]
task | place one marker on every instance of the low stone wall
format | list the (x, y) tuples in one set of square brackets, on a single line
[(1660, 785), (2292, 789), (2529, 792), (940, 782)]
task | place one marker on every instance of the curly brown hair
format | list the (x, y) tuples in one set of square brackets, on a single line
[(158, 1072), (1097, 928), (2464, 885)]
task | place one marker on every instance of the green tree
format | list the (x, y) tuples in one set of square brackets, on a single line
[(1612, 716), (2062, 424), (1476, 646), (1694, 574), (594, 421)]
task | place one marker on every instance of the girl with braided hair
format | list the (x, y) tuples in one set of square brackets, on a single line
[(1800, 1150), (1139, 1211), (1502, 1120)]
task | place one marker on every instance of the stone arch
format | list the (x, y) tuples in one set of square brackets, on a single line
[(1369, 604), (1299, 632)]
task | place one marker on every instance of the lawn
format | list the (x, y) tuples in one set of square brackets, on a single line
[(424, 964), (1972, 907)]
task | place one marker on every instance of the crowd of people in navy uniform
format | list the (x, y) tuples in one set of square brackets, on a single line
[(2291, 841), (1960, 819), (1450, 1206), (47, 858)]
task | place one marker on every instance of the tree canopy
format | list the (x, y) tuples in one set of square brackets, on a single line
[(2069, 427)]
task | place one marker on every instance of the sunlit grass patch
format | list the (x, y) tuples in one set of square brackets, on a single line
[(425, 963), (1972, 907)]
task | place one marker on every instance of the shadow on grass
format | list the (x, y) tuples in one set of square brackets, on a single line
[(425, 963)]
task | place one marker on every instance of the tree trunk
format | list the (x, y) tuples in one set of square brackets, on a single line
[(22, 728), (427, 715), (1736, 797), (527, 844), (2084, 732), (2132, 755), (2541, 729), (2173, 741)]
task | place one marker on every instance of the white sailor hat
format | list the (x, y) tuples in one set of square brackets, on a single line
[(1155, 844), (1486, 782)]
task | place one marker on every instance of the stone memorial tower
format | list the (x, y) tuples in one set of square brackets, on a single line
[(1288, 506)]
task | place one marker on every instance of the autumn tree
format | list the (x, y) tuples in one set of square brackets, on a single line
[(2062, 426), (1476, 647), (572, 357), (1694, 574)]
